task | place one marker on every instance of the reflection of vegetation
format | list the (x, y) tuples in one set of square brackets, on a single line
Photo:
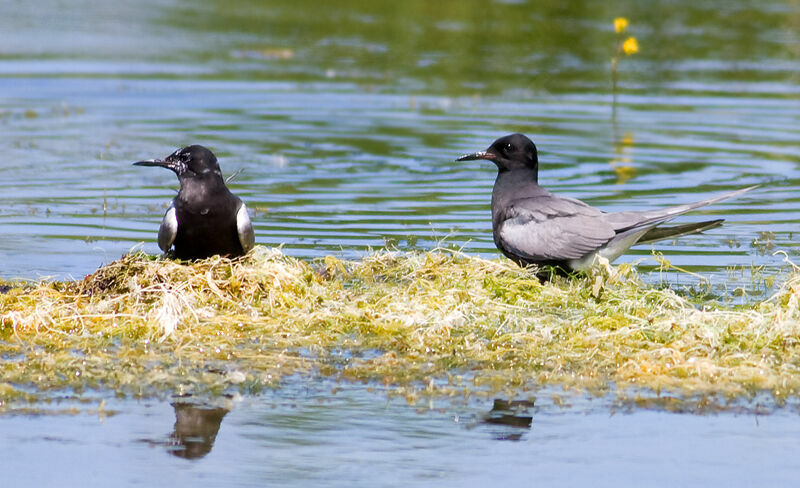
[(143, 325), (623, 162), (470, 46), (455, 45)]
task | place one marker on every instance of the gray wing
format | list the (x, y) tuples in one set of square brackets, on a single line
[(550, 228), (168, 229), (627, 220), (244, 228)]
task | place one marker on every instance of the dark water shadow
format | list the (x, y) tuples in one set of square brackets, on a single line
[(508, 420), (195, 430)]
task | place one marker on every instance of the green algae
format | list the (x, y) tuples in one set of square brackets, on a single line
[(426, 323)]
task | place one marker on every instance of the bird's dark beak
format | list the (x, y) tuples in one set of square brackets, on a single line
[(168, 163), (152, 162), (478, 155)]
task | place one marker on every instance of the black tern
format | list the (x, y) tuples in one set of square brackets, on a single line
[(534, 227), (205, 218)]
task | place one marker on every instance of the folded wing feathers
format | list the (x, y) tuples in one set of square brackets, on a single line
[(554, 229), (627, 220), (546, 228)]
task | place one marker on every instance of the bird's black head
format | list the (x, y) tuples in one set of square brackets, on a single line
[(510, 152), (188, 162)]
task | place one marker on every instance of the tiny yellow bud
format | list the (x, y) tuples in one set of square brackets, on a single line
[(627, 139), (630, 46), (620, 24)]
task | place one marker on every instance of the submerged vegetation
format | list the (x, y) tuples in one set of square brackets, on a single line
[(437, 322)]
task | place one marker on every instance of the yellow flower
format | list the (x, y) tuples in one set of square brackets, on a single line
[(630, 46), (620, 24)]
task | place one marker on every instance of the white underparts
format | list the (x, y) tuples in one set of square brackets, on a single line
[(244, 227), (168, 229)]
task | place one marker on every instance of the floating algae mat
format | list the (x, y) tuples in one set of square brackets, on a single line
[(434, 323)]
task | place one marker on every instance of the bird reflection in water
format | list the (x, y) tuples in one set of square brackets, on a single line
[(508, 420), (196, 429)]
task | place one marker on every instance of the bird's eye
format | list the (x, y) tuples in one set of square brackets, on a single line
[(508, 147)]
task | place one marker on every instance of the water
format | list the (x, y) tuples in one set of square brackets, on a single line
[(345, 124), (344, 121), (306, 436)]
